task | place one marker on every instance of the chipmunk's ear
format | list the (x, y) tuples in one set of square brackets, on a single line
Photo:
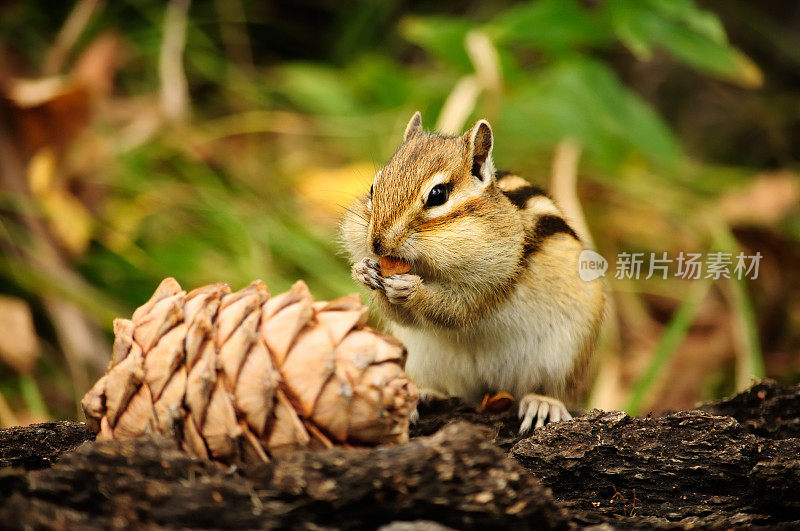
[(479, 143), (414, 127)]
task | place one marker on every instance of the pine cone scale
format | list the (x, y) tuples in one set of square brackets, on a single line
[(200, 384), (236, 307), (138, 418), (283, 317), (288, 432), (165, 314), (164, 358), (232, 353), (123, 339), (255, 389), (122, 382), (307, 367), (333, 406), (167, 409)]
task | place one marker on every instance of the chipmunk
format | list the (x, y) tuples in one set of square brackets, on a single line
[(493, 301)]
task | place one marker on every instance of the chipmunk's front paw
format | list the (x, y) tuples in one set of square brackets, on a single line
[(400, 288), (368, 272), (542, 408)]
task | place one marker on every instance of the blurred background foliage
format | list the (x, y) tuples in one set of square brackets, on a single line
[(219, 141)]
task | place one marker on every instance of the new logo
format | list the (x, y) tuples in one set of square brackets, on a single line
[(591, 265)]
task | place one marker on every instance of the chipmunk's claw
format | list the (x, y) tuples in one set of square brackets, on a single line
[(543, 409), (368, 272), (399, 288)]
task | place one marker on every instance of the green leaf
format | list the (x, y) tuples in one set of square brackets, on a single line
[(551, 25), (317, 88), (702, 22), (583, 98), (627, 24), (443, 37), (750, 360), (699, 51), (693, 36), (381, 83)]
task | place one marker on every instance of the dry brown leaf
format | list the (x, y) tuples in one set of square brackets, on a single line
[(497, 403), (97, 64), (49, 112), (767, 199), (19, 345)]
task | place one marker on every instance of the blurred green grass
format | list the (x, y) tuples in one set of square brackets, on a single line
[(280, 91)]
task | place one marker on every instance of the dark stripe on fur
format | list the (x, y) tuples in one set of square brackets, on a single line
[(546, 226), (476, 207), (519, 196)]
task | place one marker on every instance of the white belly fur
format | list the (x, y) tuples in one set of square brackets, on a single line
[(527, 345)]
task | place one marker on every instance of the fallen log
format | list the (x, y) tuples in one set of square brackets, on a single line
[(456, 477), (732, 463)]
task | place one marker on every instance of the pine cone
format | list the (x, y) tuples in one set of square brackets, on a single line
[(241, 376)]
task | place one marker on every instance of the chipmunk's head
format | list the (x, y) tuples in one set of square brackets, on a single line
[(434, 198)]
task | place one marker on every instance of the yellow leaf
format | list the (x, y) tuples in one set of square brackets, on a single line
[(749, 75), (328, 191), (69, 220), (41, 169)]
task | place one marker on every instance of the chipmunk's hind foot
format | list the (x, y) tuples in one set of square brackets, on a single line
[(543, 409), (426, 396)]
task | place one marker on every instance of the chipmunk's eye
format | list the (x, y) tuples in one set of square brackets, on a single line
[(370, 189), (438, 195)]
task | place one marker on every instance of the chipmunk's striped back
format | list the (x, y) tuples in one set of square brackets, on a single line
[(542, 218)]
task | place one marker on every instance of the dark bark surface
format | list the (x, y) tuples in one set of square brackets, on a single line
[(733, 463), (767, 409), (456, 477), (686, 468), (36, 446)]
